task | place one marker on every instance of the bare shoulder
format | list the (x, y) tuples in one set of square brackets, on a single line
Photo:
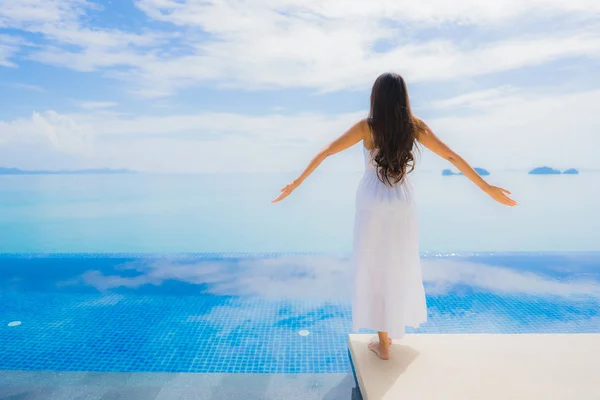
[(363, 124), (422, 129), (363, 130), (359, 130), (349, 138), (427, 138)]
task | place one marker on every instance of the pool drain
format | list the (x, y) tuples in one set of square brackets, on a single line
[(14, 323), (304, 333)]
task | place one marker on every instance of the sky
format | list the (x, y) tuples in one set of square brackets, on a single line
[(261, 85)]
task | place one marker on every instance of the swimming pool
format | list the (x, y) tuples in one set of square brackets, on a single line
[(254, 314)]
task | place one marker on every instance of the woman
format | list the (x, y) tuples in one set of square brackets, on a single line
[(388, 287)]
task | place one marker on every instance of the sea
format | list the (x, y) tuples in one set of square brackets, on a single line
[(233, 213)]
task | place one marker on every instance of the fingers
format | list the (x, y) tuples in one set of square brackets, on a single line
[(508, 201), (285, 192), (281, 197), (502, 198)]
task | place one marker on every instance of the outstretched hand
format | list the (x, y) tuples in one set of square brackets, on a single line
[(286, 191), (500, 195)]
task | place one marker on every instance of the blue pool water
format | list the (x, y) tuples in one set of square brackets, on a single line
[(244, 313)]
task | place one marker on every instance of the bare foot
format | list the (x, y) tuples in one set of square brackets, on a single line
[(384, 354)]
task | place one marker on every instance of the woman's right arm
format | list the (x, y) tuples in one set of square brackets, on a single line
[(428, 139)]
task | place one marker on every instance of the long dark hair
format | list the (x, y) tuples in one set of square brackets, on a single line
[(393, 127)]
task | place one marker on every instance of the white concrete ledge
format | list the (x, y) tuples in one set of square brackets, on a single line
[(481, 367)]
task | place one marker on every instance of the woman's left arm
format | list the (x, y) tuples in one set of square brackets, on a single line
[(352, 136)]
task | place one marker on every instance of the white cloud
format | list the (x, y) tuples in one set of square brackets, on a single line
[(63, 22), (206, 142), (508, 128), (63, 133), (317, 44), (291, 277), (19, 131), (442, 275), (326, 277), (70, 41), (322, 45), (329, 45), (434, 11), (9, 47), (5, 53), (94, 105), (28, 86), (40, 11), (476, 99), (520, 129), (49, 129)]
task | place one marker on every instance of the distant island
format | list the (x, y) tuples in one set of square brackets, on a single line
[(552, 171), (544, 171), (480, 171), (101, 171), (571, 171)]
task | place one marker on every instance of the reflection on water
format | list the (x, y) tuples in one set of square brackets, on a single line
[(217, 313), (282, 276)]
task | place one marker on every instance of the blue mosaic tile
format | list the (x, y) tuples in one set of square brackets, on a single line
[(243, 313)]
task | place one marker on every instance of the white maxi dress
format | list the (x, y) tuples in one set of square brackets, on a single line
[(388, 284)]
